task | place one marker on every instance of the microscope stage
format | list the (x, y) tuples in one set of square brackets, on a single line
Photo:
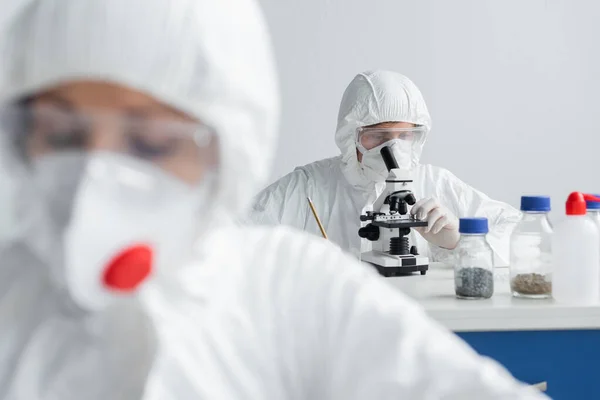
[(398, 223)]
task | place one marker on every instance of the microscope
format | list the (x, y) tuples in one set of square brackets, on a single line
[(390, 225)]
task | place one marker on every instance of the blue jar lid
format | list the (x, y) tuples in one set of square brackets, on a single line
[(473, 225), (593, 205), (535, 203)]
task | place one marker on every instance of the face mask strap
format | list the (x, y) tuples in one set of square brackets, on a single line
[(360, 147)]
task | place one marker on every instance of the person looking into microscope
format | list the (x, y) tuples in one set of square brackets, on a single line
[(379, 109)]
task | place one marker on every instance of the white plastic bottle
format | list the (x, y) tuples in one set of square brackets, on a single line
[(576, 255)]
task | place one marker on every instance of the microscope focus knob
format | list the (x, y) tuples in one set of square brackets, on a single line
[(369, 232), (414, 251)]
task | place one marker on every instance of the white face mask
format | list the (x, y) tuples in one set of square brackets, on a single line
[(373, 165), (128, 219)]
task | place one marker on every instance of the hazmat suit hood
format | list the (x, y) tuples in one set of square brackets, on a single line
[(209, 59), (371, 98), (213, 63)]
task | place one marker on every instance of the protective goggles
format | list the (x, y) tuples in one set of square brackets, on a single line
[(179, 147), (369, 138)]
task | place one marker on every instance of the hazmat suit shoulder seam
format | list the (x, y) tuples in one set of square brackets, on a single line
[(270, 206), (282, 184), (326, 162)]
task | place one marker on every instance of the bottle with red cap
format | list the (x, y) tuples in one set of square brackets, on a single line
[(576, 255)]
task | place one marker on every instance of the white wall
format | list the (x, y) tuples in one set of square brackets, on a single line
[(512, 85)]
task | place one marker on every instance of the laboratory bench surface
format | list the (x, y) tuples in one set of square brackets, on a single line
[(536, 340), (435, 292)]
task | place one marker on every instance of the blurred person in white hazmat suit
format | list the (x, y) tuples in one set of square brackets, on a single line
[(133, 128)]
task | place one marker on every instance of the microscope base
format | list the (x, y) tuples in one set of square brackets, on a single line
[(389, 265)]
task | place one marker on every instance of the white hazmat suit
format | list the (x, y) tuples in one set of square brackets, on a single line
[(342, 189), (256, 313)]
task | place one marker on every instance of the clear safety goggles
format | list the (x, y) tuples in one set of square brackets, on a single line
[(181, 148), (370, 137)]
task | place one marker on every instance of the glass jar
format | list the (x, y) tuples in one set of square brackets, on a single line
[(530, 250), (474, 268)]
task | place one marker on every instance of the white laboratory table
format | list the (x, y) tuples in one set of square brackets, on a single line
[(435, 292), (537, 340)]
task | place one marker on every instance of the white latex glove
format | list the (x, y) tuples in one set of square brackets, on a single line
[(442, 225)]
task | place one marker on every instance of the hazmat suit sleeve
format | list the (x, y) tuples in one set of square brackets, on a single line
[(378, 344), (283, 202), (465, 201)]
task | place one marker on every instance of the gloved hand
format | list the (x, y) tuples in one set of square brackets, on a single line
[(442, 225)]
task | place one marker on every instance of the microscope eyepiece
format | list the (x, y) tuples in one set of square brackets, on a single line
[(388, 158)]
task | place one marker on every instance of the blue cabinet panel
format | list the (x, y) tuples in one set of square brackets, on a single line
[(568, 360)]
